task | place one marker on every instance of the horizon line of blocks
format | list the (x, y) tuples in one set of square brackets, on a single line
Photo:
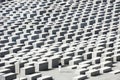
[(84, 35)]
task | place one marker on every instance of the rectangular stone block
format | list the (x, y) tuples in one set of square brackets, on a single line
[(5, 71), (11, 67), (27, 71), (68, 54), (81, 71), (106, 63), (75, 61), (105, 70), (86, 62), (2, 63), (92, 73), (87, 55), (30, 63), (116, 57), (8, 76), (95, 60), (65, 60), (34, 76), (41, 66), (95, 66), (81, 66), (53, 62)]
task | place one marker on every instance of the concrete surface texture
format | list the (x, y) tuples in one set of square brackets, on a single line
[(60, 39)]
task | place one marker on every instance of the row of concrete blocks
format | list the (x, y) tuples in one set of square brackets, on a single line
[(71, 51), (61, 3), (87, 21), (31, 30), (109, 44), (66, 47), (68, 36), (41, 43), (46, 29), (41, 9), (36, 36), (43, 65), (84, 73), (35, 76), (83, 23), (61, 15), (30, 69), (55, 36), (62, 48)]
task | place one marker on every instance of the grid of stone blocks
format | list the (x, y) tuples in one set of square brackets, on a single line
[(36, 35)]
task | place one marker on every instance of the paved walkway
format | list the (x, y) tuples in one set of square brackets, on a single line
[(65, 74)]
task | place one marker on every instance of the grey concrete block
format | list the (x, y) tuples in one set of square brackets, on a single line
[(41, 66), (105, 70), (74, 61), (81, 71), (53, 62), (27, 70), (34, 76), (8, 76), (65, 60), (92, 73)]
